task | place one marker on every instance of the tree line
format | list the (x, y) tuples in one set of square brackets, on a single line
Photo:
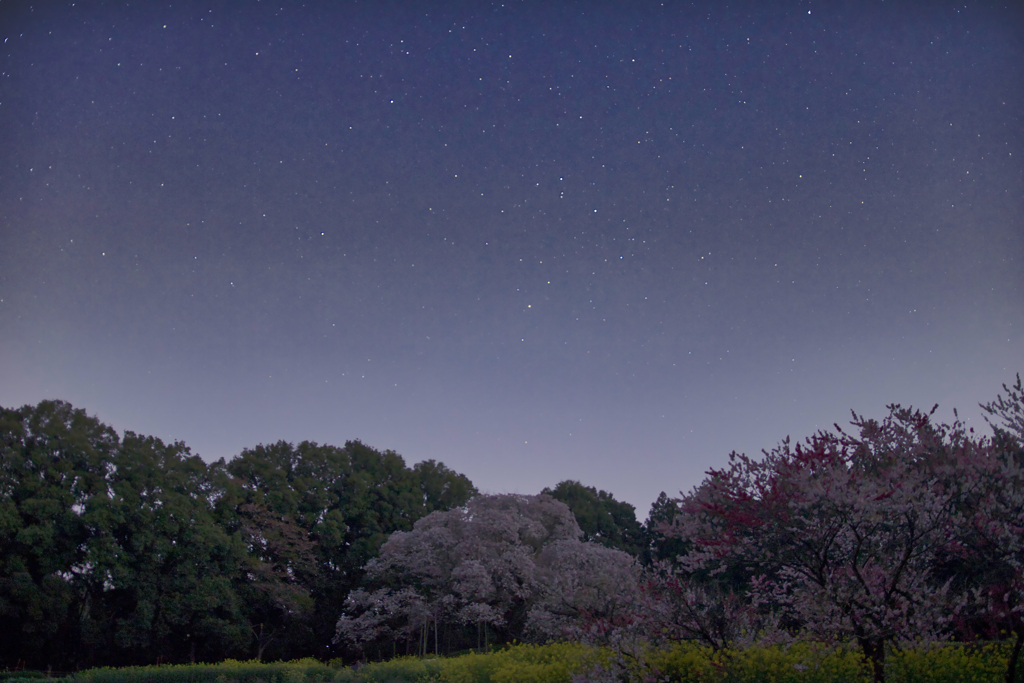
[(119, 550), (899, 532), (124, 550)]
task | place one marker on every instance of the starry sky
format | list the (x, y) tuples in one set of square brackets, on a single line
[(603, 241)]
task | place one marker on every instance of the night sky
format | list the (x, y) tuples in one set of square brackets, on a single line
[(609, 242)]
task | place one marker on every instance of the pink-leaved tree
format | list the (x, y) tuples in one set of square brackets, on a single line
[(843, 530), (994, 535)]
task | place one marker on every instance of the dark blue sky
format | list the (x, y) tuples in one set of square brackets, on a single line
[(609, 242)]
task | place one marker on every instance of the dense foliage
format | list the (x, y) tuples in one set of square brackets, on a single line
[(125, 550), (509, 565), (871, 549), (229, 671), (904, 531), (601, 518)]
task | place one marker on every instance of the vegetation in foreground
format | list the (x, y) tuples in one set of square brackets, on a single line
[(578, 663)]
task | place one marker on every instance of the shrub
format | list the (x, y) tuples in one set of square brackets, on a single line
[(685, 662), (949, 663), (554, 663), (402, 670), (797, 663), (229, 671)]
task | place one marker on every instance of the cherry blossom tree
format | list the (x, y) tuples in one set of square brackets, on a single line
[(383, 615), (582, 583), (842, 531), (994, 540), (473, 564), (994, 535), (1006, 414), (678, 606), (509, 563)]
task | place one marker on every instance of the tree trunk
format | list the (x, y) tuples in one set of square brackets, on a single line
[(1011, 666), (874, 650), (262, 640)]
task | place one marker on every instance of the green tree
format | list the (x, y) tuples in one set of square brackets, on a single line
[(347, 501), (603, 519), (130, 551), (442, 488), (167, 567), (658, 546), (109, 549), (54, 460), (280, 572)]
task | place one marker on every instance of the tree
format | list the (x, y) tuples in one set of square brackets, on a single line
[(128, 550), (1008, 412), (346, 501), (602, 519), (109, 551), (580, 584), (508, 563), (280, 571), (657, 546), (164, 586), (441, 488), (993, 538), (676, 606), (54, 460), (845, 530)]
